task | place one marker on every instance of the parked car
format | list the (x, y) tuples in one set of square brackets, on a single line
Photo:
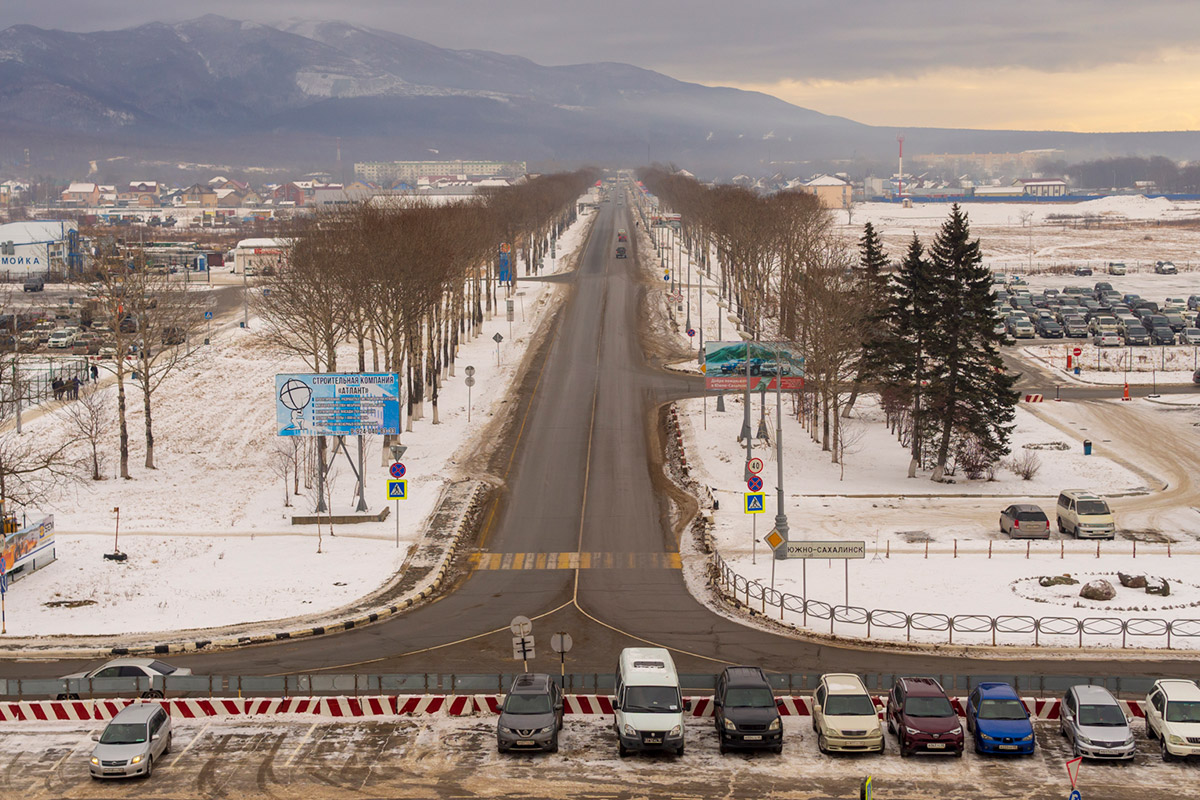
[(132, 741), (34, 284), (1048, 328), (648, 713), (1075, 327), (1082, 270), (1189, 336), (1174, 321), (1116, 268), (1100, 287), (1193, 302), (1025, 521), (1107, 339), (844, 715), (1084, 514), (1165, 268), (921, 717), (1173, 717), (1020, 328), (1162, 335), (61, 339), (127, 668), (744, 710), (999, 720), (1136, 336), (531, 716), (1094, 723)]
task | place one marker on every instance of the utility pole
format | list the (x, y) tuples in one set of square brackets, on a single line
[(781, 521)]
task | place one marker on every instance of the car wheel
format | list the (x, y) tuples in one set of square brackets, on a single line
[(821, 743), (1150, 733), (1061, 529), (904, 751), (1166, 754), (153, 694), (958, 753), (679, 750), (62, 697), (149, 767), (167, 749), (891, 728), (622, 750), (554, 744), (778, 749)]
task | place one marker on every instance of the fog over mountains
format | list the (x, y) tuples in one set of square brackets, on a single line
[(244, 93)]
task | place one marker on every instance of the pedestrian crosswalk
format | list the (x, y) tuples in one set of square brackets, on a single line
[(575, 561)]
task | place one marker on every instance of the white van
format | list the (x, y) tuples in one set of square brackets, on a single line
[(649, 706), (1085, 515)]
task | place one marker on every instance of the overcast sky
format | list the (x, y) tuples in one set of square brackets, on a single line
[(1084, 65)]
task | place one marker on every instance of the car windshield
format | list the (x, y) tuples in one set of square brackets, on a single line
[(651, 699), (749, 698), (1092, 507), (849, 705), (1105, 716), (928, 707), (1001, 709), (120, 733), (527, 704), (1183, 711)]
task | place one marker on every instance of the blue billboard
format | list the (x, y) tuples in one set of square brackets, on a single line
[(337, 404)]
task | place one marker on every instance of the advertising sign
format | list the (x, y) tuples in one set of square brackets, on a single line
[(337, 404), (21, 546), (726, 363)]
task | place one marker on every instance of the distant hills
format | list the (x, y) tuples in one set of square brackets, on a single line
[(243, 93)]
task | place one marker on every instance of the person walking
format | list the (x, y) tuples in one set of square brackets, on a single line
[(95, 373), (74, 388)]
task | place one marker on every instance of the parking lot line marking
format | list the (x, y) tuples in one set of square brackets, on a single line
[(304, 739), (195, 739), (59, 763)]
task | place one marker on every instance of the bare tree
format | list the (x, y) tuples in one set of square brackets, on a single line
[(32, 471), (280, 459), (91, 418)]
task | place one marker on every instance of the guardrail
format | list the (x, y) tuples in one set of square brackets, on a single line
[(1004, 629), (353, 685)]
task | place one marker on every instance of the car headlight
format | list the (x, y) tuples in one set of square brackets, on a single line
[(1028, 738), (677, 730), (135, 760), (775, 725), (911, 731), (630, 730), (95, 761), (728, 723), (985, 737), (1082, 739), (548, 729), (1173, 739), (956, 731)]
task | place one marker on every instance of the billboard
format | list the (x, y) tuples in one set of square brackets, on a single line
[(21, 546), (337, 404), (726, 365)]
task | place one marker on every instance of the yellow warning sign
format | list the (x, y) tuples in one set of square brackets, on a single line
[(774, 539)]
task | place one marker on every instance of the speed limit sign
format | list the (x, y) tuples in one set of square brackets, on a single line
[(755, 465)]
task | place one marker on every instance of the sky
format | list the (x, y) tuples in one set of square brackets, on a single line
[(1079, 65)]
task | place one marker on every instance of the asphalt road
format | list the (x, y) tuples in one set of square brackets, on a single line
[(582, 476)]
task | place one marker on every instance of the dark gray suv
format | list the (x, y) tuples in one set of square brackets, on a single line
[(532, 715), (745, 711)]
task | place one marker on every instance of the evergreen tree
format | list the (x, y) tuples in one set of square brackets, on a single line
[(872, 291), (969, 393)]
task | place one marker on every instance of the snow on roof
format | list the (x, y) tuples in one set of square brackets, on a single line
[(38, 230), (82, 188), (245, 243), (825, 180)]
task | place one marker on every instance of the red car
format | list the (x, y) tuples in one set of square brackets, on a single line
[(922, 718)]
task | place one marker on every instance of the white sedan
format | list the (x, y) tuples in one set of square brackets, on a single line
[(128, 668)]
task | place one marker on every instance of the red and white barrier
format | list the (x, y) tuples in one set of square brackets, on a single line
[(280, 705), (1033, 398), (356, 707), (107, 709), (419, 704), (598, 704), (794, 706)]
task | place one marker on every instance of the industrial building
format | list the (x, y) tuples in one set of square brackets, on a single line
[(39, 247)]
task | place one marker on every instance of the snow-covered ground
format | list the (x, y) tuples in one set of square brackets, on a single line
[(1117, 365), (208, 535)]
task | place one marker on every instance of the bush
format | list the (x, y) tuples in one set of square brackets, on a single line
[(1026, 465)]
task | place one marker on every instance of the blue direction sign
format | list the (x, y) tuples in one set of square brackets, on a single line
[(208, 315), (397, 470), (755, 502), (398, 490), (755, 483)]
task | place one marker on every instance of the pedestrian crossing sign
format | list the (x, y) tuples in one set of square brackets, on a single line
[(398, 490), (755, 502)]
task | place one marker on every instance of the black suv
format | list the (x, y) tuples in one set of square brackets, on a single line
[(744, 710), (532, 715)]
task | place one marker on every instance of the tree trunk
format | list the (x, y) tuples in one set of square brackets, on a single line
[(149, 425), (124, 437)]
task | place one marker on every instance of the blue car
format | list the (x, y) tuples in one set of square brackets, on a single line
[(999, 720)]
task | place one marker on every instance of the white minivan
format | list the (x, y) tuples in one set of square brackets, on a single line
[(649, 706), (1085, 515)]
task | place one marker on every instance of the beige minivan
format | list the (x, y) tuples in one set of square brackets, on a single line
[(1085, 515)]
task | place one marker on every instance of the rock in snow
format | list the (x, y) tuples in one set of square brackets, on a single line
[(1098, 589)]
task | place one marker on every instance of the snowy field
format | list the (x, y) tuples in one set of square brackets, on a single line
[(211, 520), (1113, 366)]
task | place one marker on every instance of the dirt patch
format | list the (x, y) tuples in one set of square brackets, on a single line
[(69, 603), (1147, 535)]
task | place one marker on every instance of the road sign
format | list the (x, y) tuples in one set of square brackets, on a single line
[(666, 276), (832, 549), (1074, 795), (523, 648), (397, 470), (398, 490), (1078, 351), (505, 247), (208, 315), (398, 451), (691, 332), (561, 642), (755, 465), (521, 626), (469, 381), (755, 483), (774, 539), (497, 338), (1073, 771), (470, 371), (755, 502)]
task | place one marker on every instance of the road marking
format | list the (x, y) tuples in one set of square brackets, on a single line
[(564, 561), (300, 746), (195, 739)]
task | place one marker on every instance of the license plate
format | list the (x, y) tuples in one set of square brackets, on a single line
[(114, 772), (525, 742), (1008, 747), (653, 740), (936, 745), (752, 738)]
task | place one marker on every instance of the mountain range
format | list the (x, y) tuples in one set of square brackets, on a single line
[(284, 95)]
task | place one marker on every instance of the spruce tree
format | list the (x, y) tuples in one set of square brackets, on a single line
[(969, 393), (872, 291)]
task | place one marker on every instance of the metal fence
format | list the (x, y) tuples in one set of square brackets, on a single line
[(970, 628), (322, 684)]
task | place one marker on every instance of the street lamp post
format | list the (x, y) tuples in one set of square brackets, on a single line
[(781, 522)]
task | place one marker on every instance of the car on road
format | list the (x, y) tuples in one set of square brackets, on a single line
[(1136, 336), (1173, 717), (1162, 335), (127, 668), (1085, 515), (649, 706), (745, 712), (1165, 268), (1082, 270), (844, 716), (531, 715), (138, 736), (622, 236), (34, 284), (1025, 521), (1094, 723), (621, 252), (1107, 339), (999, 720), (920, 715)]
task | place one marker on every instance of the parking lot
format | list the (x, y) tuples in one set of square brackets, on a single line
[(456, 757)]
